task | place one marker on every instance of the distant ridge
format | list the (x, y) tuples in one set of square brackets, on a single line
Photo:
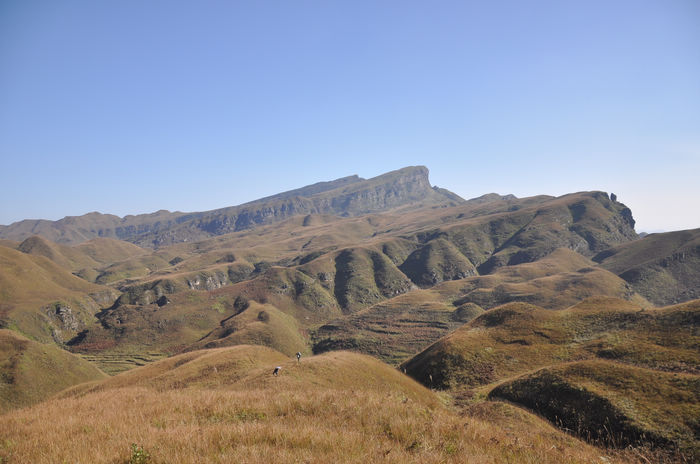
[(347, 196)]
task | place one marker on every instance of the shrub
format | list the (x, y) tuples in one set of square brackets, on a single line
[(240, 304), (139, 455)]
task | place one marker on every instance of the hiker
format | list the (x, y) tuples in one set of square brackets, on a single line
[(277, 370), (298, 356)]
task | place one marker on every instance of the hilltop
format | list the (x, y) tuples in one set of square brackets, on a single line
[(338, 407), (325, 281), (321, 268), (399, 327), (45, 301)]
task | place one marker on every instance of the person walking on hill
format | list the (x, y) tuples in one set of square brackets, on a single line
[(298, 356), (276, 371)]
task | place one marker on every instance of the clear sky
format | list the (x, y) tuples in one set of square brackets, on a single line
[(131, 106)]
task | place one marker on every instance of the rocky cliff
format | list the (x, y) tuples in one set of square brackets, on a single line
[(348, 196)]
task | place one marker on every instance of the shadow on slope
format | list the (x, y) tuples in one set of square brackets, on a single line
[(402, 326), (614, 405)]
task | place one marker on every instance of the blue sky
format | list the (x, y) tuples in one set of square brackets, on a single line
[(128, 107)]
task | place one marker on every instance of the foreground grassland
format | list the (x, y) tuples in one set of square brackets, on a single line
[(224, 405), (604, 369)]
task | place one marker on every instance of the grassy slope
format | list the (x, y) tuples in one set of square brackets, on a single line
[(31, 372), (88, 259), (634, 366), (338, 407), (29, 284), (91, 254), (342, 277), (665, 268), (258, 325), (614, 404), (517, 338), (396, 329)]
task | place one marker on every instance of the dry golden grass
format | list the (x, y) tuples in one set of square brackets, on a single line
[(396, 329), (602, 359), (517, 338), (92, 254), (29, 283), (258, 325), (339, 407)]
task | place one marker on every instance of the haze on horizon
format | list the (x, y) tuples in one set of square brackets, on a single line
[(132, 107)]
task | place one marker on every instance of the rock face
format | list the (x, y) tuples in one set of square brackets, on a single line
[(64, 323), (348, 196)]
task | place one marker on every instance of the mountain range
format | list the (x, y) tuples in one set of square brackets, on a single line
[(348, 196), (487, 299)]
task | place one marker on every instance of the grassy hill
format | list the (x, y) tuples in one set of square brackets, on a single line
[(615, 405), (602, 358), (664, 268), (258, 324), (43, 300), (517, 338), (328, 271), (338, 407), (85, 259), (31, 372), (493, 293), (396, 329)]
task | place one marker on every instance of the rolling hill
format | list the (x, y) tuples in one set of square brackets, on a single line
[(613, 404), (31, 372), (665, 268), (395, 329), (604, 369), (85, 259), (338, 407), (481, 299), (44, 301)]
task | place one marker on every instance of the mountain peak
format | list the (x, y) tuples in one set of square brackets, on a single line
[(346, 196)]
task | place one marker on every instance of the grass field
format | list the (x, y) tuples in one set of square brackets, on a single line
[(224, 405), (604, 369)]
